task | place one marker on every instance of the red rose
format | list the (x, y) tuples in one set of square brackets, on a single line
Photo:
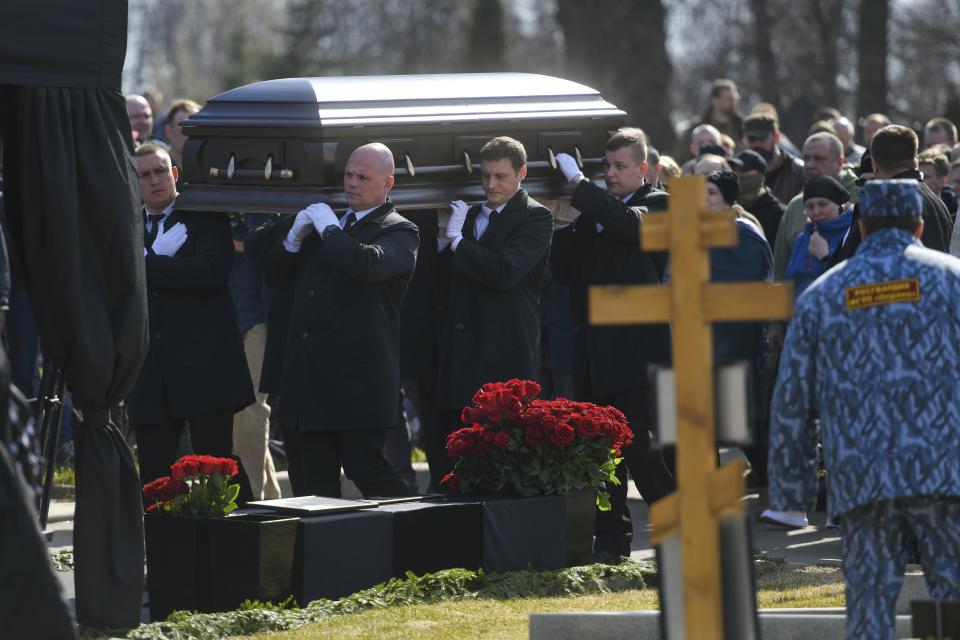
[(208, 465), (586, 426), (452, 480), (226, 466), (562, 436), (152, 507), (489, 437), (177, 471), (470, 415), (190, 466), (165, 488), (501, 439)]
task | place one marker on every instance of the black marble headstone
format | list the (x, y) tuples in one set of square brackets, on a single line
[(432, 536), (521, 533), (341, 554)]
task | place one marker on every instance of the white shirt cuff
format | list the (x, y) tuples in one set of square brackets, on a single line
[(456, 242), (292, 245)]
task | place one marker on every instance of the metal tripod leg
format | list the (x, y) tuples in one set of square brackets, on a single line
[(49, 416)]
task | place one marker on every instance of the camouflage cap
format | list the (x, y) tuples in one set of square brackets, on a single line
[(890, 198)]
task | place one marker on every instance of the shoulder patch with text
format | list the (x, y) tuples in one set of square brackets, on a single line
[(872, 295)]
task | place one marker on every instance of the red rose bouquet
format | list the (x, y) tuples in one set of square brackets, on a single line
[(515, 443), (198, 486)]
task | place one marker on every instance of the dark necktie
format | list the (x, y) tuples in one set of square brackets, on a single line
[(151, 235), (349, 222)]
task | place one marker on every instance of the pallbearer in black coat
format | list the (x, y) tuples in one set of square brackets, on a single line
[(341, 370), (195, 371), (611, 363), (494, 258)]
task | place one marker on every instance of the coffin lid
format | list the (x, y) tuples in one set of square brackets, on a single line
[(332, 102)]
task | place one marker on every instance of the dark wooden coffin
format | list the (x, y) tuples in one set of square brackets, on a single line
[(279, 145)]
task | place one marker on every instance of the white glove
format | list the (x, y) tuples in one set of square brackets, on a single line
[(568, 166), (322, 216), (458, 214), (301, 229), (169, 242)]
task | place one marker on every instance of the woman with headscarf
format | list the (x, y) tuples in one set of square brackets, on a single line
[(828, 221)]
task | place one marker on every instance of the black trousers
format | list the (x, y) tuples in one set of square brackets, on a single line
[(435, 424), (614, 528), (316, 458), (211, 434), (396, 449)]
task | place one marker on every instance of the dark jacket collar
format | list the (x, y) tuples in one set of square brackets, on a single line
[(641, 194), (908, 174), (519, 201), (376, 216)]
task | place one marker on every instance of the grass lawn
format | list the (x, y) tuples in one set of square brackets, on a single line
[(778, 585)]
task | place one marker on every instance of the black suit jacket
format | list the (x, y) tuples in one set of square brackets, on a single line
[(422, 312), (341, 369), (491, 329), (195, 363), (615, 357)]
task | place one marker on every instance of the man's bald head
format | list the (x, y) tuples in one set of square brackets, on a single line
[(380, 153), (141, 117), (368, 176)]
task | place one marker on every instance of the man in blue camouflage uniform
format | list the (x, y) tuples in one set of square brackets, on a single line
[(874, 351)]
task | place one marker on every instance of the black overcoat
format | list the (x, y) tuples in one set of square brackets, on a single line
[(617, 357), (195, 363), (491, 330), (257, 245), (341, 369)]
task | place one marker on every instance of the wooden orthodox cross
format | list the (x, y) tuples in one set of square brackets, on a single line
[(690, 303)]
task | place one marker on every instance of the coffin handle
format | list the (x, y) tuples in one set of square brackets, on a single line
[(268, 168), (411, 170), (467, 162), (552, 158), (576, 154)]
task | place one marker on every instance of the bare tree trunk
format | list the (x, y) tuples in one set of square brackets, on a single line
[(631, 68), (872, 57), (763, 50), (486, 37), (828, 15)]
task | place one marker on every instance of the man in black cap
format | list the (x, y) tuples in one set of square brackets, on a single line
[(754, 196), (761, 133)]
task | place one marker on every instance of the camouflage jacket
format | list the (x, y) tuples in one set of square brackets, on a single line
[(874, 352)]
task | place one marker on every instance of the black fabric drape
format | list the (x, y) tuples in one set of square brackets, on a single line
[(72, 208), (107, 530)]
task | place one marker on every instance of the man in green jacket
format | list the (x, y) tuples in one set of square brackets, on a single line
[(822, 156)]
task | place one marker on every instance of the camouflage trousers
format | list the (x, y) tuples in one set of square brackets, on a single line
[(879, 540)]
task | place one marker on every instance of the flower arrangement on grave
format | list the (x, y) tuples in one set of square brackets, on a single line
[(514, 443), (198, 487)]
